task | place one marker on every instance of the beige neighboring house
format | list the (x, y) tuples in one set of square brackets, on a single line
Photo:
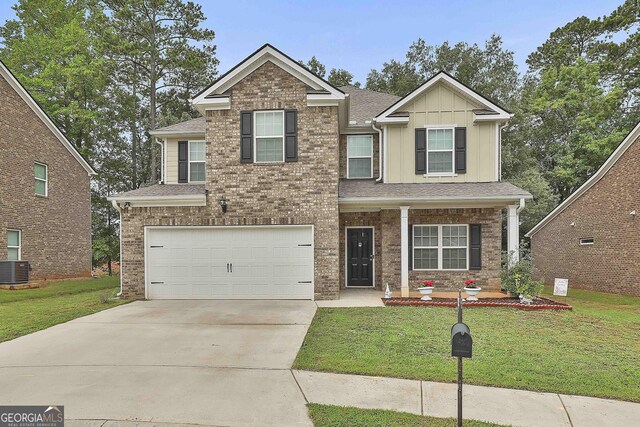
[(45, 189), (593, 237), (289, 187)]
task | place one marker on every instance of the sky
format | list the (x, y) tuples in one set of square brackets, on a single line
[(361, 35)]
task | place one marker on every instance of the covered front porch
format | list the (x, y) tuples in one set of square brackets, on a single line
[(443, 233)]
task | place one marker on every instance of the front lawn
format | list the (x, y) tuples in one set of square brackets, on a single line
[(592, 351), (339, 416), (26, 311)]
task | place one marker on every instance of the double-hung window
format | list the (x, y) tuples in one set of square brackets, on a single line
[(197, 150), (269, 136), (41, 177), (440, 247), (359, 156), (14, 238), (440, 151)]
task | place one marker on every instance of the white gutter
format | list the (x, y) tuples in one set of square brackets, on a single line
[(379, 151), (115, 205), (434, 199), (521, 206)]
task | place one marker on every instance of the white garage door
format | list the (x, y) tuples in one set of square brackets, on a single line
[(229, 262)]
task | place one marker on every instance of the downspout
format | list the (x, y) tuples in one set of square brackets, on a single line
[(521, 207), (161, 143), (115, 205), (379, 151)]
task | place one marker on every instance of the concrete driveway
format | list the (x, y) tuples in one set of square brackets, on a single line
[(220, 363)]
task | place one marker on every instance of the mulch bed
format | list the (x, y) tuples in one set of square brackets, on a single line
[(539, 303)]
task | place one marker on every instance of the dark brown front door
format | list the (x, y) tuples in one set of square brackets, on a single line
[(359, 257)]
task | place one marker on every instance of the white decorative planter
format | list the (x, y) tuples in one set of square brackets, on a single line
[(426, 291), (472, 292)]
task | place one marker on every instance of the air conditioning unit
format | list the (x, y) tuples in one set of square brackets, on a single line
[(14, 272)]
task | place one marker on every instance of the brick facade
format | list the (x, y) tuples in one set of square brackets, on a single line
[(387, 245), (302, 192), (612, 263), (56, 229)]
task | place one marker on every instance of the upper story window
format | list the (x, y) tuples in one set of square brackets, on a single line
[(440, 247), (41, 177), (440, 151), (197, 150), (359, 156), (269, 136), (14, 238)]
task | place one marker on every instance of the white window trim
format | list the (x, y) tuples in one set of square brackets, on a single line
[(45, 180), (439, 248), (19, 247), (452, 151), (255, 136), (196, 161), (349, 157)]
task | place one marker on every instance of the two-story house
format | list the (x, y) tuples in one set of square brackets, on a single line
[(289, 187), (45, 189)]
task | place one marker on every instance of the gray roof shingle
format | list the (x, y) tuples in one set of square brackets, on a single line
[(163, 190), (366, 104), (193, 126), (430, 191)]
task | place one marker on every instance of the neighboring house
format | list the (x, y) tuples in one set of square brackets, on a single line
[(593, 237), (289, 187), (45, 189)]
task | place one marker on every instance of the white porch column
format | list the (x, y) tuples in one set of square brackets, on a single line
[(513, 232), (404, 251)]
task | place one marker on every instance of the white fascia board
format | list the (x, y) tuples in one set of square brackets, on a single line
[(160, 201), (491, 117), (177, 134), (608, 164), (217, 103), (322, 100), (441, 76), (28, 99), (267, 53), (393, 120), (409, 200)]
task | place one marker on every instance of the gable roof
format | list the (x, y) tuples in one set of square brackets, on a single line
[(33, 104), (364, 104), (495, 111), (608, 164), (267, 53)]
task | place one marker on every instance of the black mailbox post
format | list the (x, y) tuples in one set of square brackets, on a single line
[(461, 347), (461, 341)]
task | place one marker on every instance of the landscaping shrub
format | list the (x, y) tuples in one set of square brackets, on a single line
[(106, 295), (517, 278)]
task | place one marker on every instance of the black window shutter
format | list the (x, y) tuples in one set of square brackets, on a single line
[(183, 161), (475, 246), (246, 136), (461, 150), (290, 135), (421, 151), (410, 247)]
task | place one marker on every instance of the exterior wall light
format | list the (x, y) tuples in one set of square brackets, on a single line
[(223, 204), (632, 213)]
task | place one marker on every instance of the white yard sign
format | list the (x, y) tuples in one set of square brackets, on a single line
[(560, 287)]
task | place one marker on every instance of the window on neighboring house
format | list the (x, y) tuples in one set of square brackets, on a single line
[(440, 151), (440, 247), (587, 241), (13, 245), (269, 136), (40, 172), (197, 150), (359, 156)]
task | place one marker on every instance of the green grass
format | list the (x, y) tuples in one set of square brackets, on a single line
[(592, 351), (26, 311), (339, 416)]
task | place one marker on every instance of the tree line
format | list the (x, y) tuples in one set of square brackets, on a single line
[(109, 71)]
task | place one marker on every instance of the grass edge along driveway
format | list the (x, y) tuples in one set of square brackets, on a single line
[(340, 416), (30, 310), (593, 350)]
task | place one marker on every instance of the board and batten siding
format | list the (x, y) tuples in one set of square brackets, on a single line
[(442, 106), (172, 160)]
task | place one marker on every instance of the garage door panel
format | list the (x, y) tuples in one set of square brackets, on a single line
[(267, 262)]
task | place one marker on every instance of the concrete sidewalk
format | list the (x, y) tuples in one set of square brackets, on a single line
[(497, 405)]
